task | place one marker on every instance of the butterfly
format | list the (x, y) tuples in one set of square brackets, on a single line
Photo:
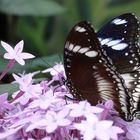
[(119, 38), (90, 73)]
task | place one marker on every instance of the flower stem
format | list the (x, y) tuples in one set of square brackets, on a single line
[(8, 67), (17, 96)]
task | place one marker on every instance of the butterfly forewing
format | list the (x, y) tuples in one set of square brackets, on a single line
[(89, 74), (119, 37)]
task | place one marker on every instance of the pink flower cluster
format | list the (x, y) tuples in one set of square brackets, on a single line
[(43, 111)]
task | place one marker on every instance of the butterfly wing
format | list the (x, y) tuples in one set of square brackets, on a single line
[(89, 74), (119, 38)]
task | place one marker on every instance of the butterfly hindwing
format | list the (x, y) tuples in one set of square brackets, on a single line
[(119, 38), (89, 74)]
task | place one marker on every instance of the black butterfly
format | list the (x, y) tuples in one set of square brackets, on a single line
[(90, 73), (119, 38)]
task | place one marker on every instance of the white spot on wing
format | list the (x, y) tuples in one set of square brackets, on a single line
[(71, 46), (76, 48), (113, 42), (100, 39), (128, 79), (83, 50), (91, 54), (120, 46), (119, 21), (131, 61), (94, 67), (104, 41), (126, 54), (80, 29)]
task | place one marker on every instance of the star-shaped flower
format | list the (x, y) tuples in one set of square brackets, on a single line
[(83, 108), (26, 85), (44, 101), (52, 120), (16, 53), (92, 128), (23, 80)]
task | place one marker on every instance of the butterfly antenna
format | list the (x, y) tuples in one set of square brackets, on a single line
[(45, 62), (50, 65)]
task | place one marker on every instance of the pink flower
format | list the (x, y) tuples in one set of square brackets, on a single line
[(45, 101), (108, 104), (108, 109), (133, 130), (83, 108), (23, 80), (25, 118), (25, 85), (92, 128), (52, 120), (56, 71), (7, 134), (41, 111), (16, 53), (4, 105)]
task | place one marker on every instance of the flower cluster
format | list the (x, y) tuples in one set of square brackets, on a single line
[(43, 111)]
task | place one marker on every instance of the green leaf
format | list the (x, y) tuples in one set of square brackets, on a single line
[(132, 7), (39, 80), (30, 7), (10, 88), (48, 61), (2, 65)]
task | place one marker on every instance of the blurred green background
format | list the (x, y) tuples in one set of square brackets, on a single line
[(44, 25)]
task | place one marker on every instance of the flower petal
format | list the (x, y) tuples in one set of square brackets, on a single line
[(64, 122), (27, 56), (7, 47), (102, 135), (63, 113), (3, 97), (104, 124), (115, 131), (51, 128), (89, 135), (81, 126), (20, 61), (19, 47), (44, 105), (97, 109), (76, 113), (8, 56), (17, 78)]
